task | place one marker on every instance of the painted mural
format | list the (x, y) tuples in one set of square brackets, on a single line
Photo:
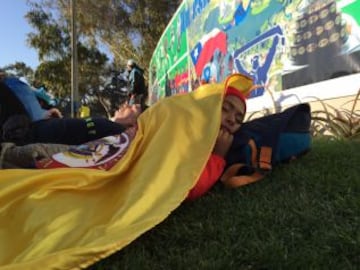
[(281, 44)]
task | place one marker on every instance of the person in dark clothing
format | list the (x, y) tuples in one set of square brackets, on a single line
[(137, 89), (24, 121), (233, 110)]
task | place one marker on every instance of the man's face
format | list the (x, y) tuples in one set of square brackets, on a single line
[(233, 113), (127, 114)]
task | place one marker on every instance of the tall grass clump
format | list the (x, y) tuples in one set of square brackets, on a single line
[(338, 123)]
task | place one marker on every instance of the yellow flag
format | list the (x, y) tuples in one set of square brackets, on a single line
[(70, 218)]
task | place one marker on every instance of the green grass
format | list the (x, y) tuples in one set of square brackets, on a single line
[(305, 215)]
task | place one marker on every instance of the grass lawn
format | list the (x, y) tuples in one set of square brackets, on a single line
[(305, 215)]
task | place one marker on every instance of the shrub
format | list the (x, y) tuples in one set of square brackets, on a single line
[(337, 123)]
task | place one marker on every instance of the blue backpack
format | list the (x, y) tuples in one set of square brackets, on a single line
[(17, 97), (263, 143), (19, 107)]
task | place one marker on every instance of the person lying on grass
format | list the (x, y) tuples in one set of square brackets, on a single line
[(127, 114), (237, 87), (25, 156), (24, 121), (232, 116)]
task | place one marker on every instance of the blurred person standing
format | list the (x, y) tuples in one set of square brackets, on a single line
[(137, 89)]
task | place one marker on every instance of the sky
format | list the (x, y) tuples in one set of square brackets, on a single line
[(13, 32)]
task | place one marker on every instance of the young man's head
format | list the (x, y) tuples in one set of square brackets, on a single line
[(237, 87), (127, 114), (130, 64), (233, 112)]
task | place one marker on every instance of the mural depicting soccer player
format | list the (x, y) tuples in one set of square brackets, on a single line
[(220, 37), (259, 69), (215, 66), (227, 66)]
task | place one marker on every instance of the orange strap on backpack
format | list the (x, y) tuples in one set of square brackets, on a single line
[(260, 166)]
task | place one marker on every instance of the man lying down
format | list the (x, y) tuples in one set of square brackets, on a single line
[(105, 152), (74, 216), (13, 156)]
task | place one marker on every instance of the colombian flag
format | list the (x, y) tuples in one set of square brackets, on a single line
[(69, 218)]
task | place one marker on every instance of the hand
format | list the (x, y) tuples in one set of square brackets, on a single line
[(54, 113), (223, 143)]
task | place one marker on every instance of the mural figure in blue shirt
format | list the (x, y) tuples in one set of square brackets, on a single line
[(259, 71)]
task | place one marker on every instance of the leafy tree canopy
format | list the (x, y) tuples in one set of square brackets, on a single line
[(129, 28)]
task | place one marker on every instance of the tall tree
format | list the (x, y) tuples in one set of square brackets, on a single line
[(129, 28), (21, 70), (52, 41)]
